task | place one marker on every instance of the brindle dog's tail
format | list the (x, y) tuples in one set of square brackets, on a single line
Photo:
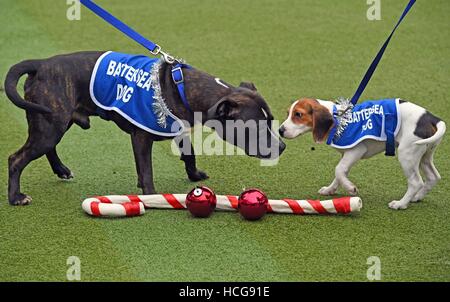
[(12, 78)]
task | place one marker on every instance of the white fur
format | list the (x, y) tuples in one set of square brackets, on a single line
[(415, 155), (293, 130), (219, 81), (274, 136)]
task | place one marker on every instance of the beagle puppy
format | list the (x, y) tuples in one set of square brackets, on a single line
[(413, 131)]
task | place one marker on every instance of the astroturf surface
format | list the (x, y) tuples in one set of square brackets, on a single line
[(288, 49)]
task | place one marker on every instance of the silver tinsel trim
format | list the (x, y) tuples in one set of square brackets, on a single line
[(344, 115), (159, 106)]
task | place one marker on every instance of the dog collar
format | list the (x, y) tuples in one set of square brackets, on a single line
[(178, 80), (334, 129), (342, 113)]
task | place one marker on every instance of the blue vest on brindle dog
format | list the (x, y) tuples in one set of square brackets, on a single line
[(129, 85)]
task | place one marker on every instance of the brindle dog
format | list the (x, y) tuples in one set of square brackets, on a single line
[(57, 96)]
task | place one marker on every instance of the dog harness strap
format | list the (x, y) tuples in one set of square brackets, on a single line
[(334, 129), (390, 121), (374, 64), (178, 79)]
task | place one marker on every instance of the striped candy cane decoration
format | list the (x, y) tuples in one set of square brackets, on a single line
[(113, 206), (133, 205)]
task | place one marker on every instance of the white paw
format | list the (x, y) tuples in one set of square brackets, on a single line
[(23, 201), (68, 177), (398, 205), (325, 191)]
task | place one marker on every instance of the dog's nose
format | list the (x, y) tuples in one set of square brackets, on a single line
[(281, 130)]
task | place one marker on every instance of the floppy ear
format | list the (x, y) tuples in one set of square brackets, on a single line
[(248, 85), (223, 109), (322, 123)]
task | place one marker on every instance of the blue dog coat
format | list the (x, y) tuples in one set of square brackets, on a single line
[(129, 85), (377, 120)]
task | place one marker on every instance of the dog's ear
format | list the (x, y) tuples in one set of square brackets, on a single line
[(224, 109), (248, 85), (322, 123)]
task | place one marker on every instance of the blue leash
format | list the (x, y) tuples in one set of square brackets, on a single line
[(378, 57), (152, 47), (177, 73), (155, 49), (390, 139)]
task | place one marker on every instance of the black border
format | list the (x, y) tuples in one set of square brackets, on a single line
[(294, 291)]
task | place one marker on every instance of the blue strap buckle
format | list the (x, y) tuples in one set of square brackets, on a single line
[(178, 79), (177, 75)]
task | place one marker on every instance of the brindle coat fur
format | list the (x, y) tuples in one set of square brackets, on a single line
[(57, 96)]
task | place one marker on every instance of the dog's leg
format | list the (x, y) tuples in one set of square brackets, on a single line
[(139, 181), (430, 172), (37, 144), (347, 161), (16, 163), (188, 156), (57, 166), (331, 189), (142, 149), (408, 160)]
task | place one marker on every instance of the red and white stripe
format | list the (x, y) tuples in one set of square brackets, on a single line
[(114, 206), (133, 205)]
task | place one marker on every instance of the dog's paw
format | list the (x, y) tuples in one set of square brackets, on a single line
[(66, 177), (326, 191), (353, 191), (64, 173), (198, 176), (21, 200), (398, 205)]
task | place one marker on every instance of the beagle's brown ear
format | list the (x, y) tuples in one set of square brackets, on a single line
[(322, 123)]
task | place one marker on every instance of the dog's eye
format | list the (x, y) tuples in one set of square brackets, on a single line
[(298, 114)]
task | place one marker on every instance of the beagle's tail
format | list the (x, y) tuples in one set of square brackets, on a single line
[(12, 78), (441, 127)]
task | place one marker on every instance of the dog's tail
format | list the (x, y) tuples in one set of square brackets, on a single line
[(441, 127), (12, 78)]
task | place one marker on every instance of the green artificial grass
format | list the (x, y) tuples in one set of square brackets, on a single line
[(288, 49)]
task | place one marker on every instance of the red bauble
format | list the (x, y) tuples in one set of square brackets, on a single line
[(201, 201), (253, 204)]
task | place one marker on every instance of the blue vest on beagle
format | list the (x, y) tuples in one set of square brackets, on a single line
[(377, 120), (129, 85)]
